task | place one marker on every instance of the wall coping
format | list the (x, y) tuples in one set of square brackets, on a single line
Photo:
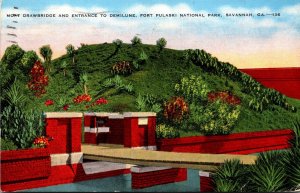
[(62, 114), (116, 115), (66, 158), (106, 114), (18, 154), (233, 136), (139, 114), (142, 169), (204, 174)]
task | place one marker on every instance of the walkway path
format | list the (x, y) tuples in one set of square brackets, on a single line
[(119, 154)]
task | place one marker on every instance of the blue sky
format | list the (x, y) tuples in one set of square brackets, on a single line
[(245, 42)]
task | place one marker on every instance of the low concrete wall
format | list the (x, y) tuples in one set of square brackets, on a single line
[(237, 143)]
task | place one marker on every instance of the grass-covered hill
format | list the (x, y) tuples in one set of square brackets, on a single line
[(150, 81)]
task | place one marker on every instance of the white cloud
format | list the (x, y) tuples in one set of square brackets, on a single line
[(291, 10), (160, 9), (166, 25)]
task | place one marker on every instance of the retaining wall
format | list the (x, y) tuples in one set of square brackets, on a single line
[(237, 143), (26, 164)]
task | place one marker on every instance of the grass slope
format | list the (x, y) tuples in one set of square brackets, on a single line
[(157, 77)]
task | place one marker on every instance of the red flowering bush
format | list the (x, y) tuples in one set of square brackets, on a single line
[(175, 109), (66, 107), (225, 96), (99, 101), (49, 102), (82, 98), (41, 141), (38, 79)]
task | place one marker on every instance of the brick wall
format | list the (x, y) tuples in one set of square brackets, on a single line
[(237, 143), (26, 164), (60, 163), (151, 178), (139, 128), (90, 138), (62, 174), (131, 129), (65, 128), (116, 132), (206, 182)]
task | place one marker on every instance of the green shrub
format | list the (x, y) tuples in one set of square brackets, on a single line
[(295, 141), (268, 173), (217, 117), (13, 55), (262, 96), (136, 41), (28, 60), (291, 162), (273, 171), (118, 84), (161, 44), (7, 144), (193, 88), (143, 57), (13, 96), (163, 131), (63, 66), (148, 103), (20, 126), (118, 43), (136, 64), (230, 176)]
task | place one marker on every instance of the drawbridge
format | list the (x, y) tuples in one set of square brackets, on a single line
[(119, 154)]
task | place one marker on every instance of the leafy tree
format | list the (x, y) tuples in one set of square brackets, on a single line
[(12, 55), (63, 66), (28, 59), (71, 52), (161, 44), (46, 53), (118, 44), (84, 80), (136, 41)]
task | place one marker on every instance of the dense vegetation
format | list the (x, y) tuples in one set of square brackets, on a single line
[(273, 171), (192, 92)]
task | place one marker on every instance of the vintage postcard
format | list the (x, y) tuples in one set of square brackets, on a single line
[(150, 95)]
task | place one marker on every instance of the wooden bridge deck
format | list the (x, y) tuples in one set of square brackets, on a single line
[(119, 154)]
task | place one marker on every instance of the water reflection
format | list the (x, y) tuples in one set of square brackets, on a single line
[(122, 183)]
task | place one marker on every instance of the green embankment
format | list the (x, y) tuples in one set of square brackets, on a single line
[(157, 77)]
